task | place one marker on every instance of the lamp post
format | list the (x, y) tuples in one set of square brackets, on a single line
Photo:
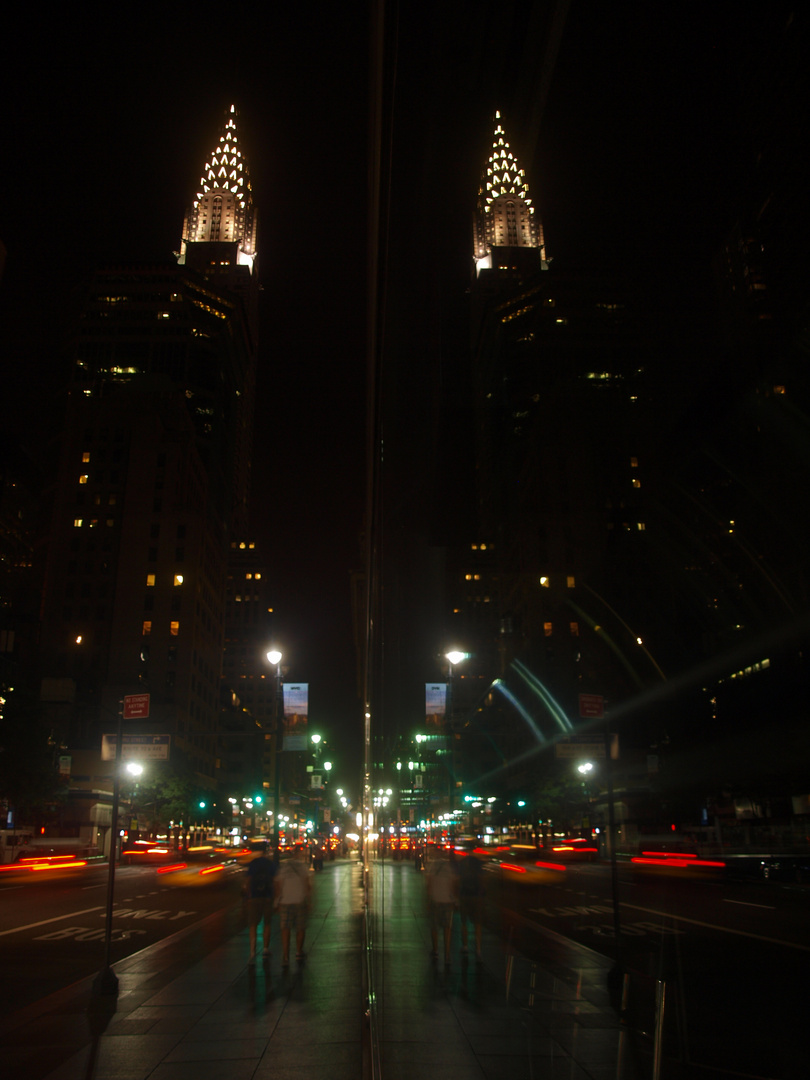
[(274, 657), (453, 658)]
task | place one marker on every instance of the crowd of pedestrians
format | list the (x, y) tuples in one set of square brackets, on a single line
[(454, 884), (285, 887)]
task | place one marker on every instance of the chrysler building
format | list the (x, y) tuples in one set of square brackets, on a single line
[(222, 211), (505, 219)]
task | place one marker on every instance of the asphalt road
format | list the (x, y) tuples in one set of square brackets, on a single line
[(52, 925)]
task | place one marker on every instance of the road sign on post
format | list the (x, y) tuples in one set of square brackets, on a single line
[(136, 706), (591, 706), (136, 747)]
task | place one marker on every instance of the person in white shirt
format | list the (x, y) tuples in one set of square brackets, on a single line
[(293, 893)]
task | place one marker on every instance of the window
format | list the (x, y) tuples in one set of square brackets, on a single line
[(86, 456), (547, 629), (174, 628), (570, 581), (83, 478), (178, 579), (150, 580), (77, 523), (636, 483), (146, 629), (574, 627), (641, 526)]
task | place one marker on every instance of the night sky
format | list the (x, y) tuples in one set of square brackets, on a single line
[(629, 147)]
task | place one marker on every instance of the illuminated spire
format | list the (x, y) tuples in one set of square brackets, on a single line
[(505, 217), (223, 211)]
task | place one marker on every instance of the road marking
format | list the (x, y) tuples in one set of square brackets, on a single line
[(714, 926), (747, 903), (44, 922)]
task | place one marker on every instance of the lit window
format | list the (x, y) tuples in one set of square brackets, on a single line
[(150, 580), (547, 629), (248, 577), (641, 526), (574, 629), (174, 629), (468, 577), (178, 579), (570, 581), (86, 456), (110, 523), (544, 582), (633, 462), (779, 390), (83, 478), (257, 576), (77, 523), (636, 483), (147, 627)]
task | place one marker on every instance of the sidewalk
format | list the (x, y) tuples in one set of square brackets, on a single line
[(503, 1019), (178, 1018)]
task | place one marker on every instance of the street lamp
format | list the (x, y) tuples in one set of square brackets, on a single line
[(453, 658), (274, 658)]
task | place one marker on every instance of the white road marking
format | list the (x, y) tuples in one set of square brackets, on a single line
[(714, 926), (44, 922), (747, 903)]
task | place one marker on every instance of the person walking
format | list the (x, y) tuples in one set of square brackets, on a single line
[(293, 893), (259, 892), (442, 890), (471, 900)]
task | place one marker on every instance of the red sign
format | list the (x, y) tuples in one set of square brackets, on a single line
[(591, 706), (136, 706)]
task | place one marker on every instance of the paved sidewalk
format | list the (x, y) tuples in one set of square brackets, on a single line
[(185, 1012), (503, 1019)]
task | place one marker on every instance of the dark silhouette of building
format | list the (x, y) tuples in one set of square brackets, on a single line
[(153, 484)]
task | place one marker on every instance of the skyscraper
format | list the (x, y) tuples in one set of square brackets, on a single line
[(153, 482)]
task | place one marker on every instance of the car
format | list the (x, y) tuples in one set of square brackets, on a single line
[(795, 868), (198, 868), (520, 864), (676, 864), (575, 849), (142, 852)]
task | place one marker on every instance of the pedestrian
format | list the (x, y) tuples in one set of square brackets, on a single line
[(293, 894), (471, 900), (442, 890), (259, 892)]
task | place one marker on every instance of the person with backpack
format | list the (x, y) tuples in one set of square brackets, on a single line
[(260, 894)]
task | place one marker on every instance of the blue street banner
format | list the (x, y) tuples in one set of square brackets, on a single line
[(435, 705), (296, 711)]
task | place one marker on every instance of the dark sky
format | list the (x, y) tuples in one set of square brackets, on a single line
[(627, 145)]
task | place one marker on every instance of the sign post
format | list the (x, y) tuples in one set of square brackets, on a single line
[(132, 707)]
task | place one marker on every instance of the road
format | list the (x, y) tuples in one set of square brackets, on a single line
[(732, 956), (52, 925)]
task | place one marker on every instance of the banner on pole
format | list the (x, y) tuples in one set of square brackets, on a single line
[(435, 705), (296, 710)]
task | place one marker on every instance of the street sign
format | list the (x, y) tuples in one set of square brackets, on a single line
[(137, 747), (136, 706), (586, 746), (591, 706)]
